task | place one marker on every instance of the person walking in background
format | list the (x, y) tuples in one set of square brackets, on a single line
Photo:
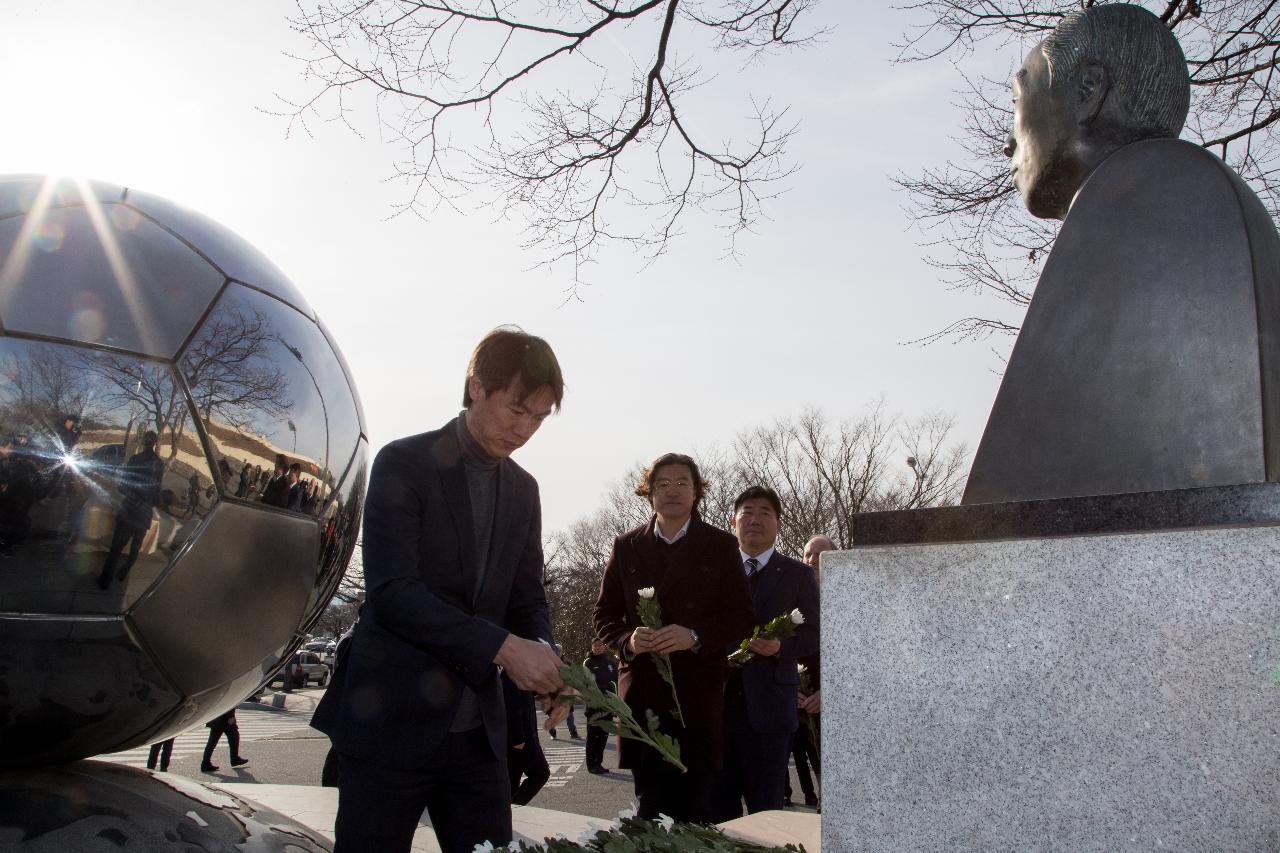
[(604, 667), (696, 577), (140, 487), (805, 745), (760, 697), (219, 726), (569, 721), (161, 751)]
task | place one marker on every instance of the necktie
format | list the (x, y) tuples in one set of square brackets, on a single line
[(753, 566)]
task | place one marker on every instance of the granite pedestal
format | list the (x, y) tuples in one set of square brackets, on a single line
[(1040, 676)]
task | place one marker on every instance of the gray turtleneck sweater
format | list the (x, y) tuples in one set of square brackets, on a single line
[(482, 487)]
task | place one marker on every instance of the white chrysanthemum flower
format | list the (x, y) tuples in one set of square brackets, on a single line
[(486, 847), (626, 813), (797, 618), (665, 822), (647, 592)]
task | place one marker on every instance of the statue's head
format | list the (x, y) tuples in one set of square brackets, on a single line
[(1107, 76)]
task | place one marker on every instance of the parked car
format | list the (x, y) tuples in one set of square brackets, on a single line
[(303, 668)]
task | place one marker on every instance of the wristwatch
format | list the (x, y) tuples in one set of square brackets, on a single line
[(697, 644)]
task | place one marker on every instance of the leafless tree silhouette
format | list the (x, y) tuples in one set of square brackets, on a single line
[(572, 112)]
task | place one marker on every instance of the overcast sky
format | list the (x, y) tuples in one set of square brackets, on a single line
[(167, 96)]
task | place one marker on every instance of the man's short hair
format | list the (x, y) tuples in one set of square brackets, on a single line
[(295, 467), (645, 487), (1145, 64), (509, 355), (759, 493), (149, 439)]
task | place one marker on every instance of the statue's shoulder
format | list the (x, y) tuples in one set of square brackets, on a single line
[(1180, 176)]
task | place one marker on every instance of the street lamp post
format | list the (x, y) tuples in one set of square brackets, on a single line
[(919, 472)]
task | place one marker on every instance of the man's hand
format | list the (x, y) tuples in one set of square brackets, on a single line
[(812, 704), (556, 710), (764, 648), (671, 638), (530, 665)]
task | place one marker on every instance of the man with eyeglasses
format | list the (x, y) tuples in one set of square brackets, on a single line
[(697, 580)]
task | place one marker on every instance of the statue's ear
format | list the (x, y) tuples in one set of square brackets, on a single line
[(1091, 85)]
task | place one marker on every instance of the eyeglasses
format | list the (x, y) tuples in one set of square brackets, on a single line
[(664, 484)]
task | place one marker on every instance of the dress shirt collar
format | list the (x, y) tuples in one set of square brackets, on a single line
[(763, 558), (657, 531)]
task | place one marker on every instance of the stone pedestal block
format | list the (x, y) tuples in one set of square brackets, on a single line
[(1027, 690)]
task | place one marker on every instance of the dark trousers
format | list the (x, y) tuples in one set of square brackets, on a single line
[(217, 729), (596, 740), (465, 790), (527, 762), (805, 754), (123, 532), (161, 752), (329, 772), (573, 727), (663, 789), (755, 770)]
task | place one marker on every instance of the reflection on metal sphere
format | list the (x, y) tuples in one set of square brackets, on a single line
[(182, 469), (96, 805)]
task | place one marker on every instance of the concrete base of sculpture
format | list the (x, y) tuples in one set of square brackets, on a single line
[(1033, 691), (316, 808), (98, 805)]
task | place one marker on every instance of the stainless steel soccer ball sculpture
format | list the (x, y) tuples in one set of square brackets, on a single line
[(154, 370)]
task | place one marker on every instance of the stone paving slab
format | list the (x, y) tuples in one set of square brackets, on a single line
[(316, 807)]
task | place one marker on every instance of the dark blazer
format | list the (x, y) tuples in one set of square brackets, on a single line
[(700, 584), (425, 631), (770, 685)]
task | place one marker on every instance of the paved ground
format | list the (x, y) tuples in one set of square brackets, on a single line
[(282, 749)]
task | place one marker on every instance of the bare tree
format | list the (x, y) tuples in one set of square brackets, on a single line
[(981, 239), (571, 111), (230, 371)]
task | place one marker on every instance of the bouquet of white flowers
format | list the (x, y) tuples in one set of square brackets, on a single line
[(777, 628)]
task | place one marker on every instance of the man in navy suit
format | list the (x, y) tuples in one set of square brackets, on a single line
[(760, 697), (453, 576)]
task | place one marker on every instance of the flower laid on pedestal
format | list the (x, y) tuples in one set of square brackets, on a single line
[(632, 835), (603, 705), (650, 613), (777, 628)]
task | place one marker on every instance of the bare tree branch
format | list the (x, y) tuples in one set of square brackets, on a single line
[(568, 140)]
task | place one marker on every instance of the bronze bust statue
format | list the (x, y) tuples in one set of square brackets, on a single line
[(1149, 358)]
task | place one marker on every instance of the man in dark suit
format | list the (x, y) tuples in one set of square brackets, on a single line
[(277, 491), (140, 486), (604, 668), (697, 580), (453, 575), (760, 697)]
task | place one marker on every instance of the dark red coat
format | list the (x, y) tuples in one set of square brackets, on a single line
[(701, 585)]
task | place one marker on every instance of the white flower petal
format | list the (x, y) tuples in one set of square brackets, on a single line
[(665, 822), (797, 617), (647, 592), (626, 813)]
